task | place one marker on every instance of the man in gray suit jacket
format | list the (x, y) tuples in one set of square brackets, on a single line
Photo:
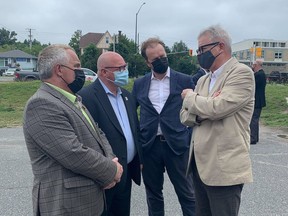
[(220, 110), (72, 161)]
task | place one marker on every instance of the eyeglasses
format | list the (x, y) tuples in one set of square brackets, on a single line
[(120, 68), (66, 67), (201, 49)]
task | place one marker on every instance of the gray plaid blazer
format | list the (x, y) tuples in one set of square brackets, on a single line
[(71, 161)]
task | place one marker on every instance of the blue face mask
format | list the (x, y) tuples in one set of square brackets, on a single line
[(121, 77)]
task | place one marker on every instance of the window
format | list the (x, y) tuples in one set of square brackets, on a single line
[(256, 43), (265, 44), (278, 55), (107, 40), (282, 44), (28, 60), (273, 44)]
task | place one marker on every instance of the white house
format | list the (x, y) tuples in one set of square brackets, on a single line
[(14, 57)]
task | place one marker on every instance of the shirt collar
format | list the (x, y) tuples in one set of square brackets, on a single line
[(70, 96), (217, 72), (106, 89)]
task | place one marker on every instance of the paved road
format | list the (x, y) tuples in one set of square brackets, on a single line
[(267, 196)]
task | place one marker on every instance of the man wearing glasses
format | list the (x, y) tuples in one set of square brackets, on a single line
[(114, 109), (220, 109), (71, 159)]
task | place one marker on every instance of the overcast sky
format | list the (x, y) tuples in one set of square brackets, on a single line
[(55, 21)]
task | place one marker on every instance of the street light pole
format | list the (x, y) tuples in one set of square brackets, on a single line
[(136, 40)]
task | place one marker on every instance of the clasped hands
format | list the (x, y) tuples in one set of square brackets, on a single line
[(118, 175)]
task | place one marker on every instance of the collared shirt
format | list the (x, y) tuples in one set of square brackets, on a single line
[(121, 113), (159, 92), (75, 100), (215, 75)]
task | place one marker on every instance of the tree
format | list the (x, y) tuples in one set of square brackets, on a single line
[(7, 37), (126, 48), (75, 42), (179, 58), (90, 56)]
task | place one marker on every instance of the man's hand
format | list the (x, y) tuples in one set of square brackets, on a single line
[(119, 172), (185, 91), (118, 175)]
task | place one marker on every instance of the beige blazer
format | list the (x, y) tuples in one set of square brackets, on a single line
[(221, 141)]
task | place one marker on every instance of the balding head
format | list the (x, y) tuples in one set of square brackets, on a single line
[(258, 62), (257, 65), (109, 59)]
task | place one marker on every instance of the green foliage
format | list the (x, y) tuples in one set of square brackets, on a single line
[(90, 56), (276, 111), (7, 37), (180, 60), (126, 48), (75, 41), (14, 96)]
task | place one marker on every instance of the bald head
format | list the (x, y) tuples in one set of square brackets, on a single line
[(257, 65), (109, 59), (258, 62)]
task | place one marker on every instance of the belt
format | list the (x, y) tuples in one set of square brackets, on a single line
[(161, 138)]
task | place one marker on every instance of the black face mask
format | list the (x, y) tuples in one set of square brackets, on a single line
[(160, 65), (206, 59), (79, 81)]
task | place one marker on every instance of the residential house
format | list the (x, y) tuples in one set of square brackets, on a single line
[(274, 53), (101, 41), (17, 57)]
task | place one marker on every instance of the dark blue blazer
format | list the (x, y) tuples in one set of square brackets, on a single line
[(176, 134), (97, 102)]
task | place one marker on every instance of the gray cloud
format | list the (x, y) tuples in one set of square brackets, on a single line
[(55, 21)]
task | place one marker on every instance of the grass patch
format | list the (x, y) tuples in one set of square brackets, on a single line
[(14, 95)]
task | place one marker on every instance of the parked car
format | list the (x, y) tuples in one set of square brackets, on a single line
[(9, 72), (89, 75), (26, 75), (277, 77), (3, 69)]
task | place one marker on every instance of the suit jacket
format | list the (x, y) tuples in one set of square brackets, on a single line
[(176, 134), (221, 141), (200, 72), (97, 102), (71, 161), (260, 84)]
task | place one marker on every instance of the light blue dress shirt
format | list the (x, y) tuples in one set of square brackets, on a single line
[(120, 110)]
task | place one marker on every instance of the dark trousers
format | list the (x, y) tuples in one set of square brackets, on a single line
[(254, 126), (118, 199), (215, 200), (155, 161)]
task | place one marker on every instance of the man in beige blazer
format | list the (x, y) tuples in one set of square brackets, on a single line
[(220, 110), (71, 159)]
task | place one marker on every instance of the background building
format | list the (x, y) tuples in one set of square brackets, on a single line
[(100, 40), (274, 53), (17, 57)]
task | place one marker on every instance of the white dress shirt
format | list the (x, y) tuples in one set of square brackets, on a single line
[(159, 92)]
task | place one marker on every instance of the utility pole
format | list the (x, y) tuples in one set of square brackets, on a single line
[(30, 36)]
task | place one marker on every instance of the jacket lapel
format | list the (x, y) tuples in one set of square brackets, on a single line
[(105, 103)]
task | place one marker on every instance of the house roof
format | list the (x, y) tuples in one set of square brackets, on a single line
[(16, 54), (89, 38)]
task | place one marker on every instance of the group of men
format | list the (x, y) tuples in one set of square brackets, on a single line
[(87, 145)]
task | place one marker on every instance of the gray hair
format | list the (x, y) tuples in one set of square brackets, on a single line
[(217, 33), (49, 57)]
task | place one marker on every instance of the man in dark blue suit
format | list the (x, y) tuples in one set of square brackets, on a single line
[(164, 139), (114, 109)]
